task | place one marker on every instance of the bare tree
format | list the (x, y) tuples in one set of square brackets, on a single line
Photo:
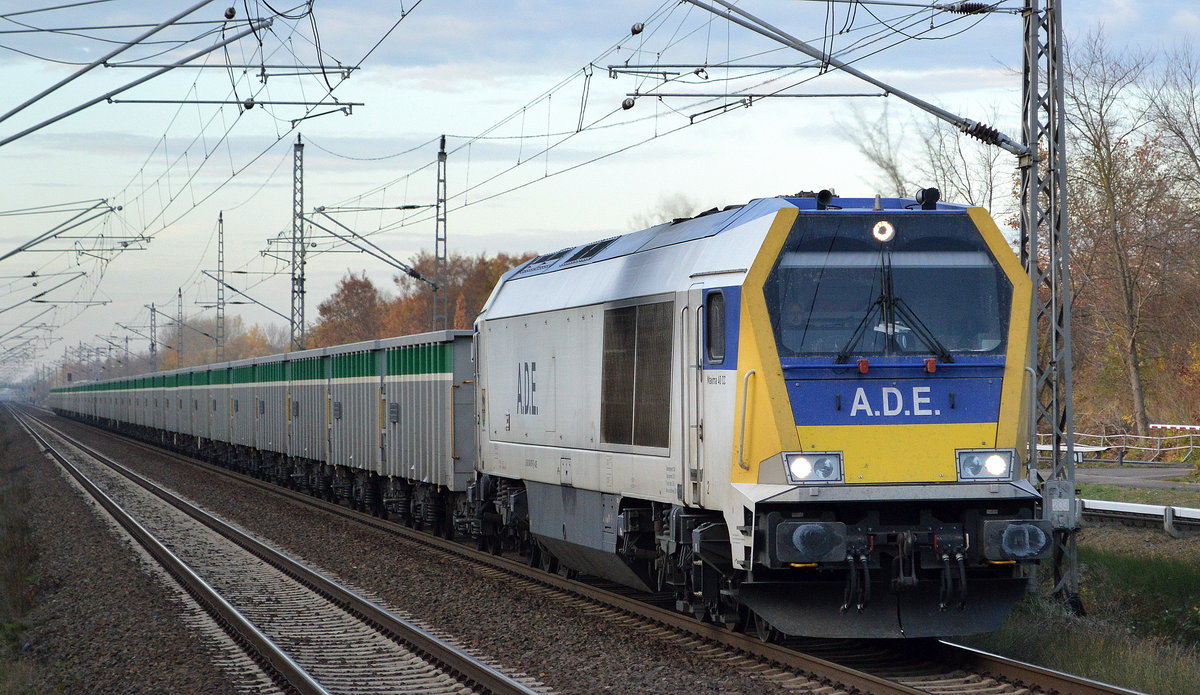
[(876, 141), (966, 170), (1118, 251), (1174, 108), (920, 154)]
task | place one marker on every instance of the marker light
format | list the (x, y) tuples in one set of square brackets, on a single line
[(883, 231), (824, 467)]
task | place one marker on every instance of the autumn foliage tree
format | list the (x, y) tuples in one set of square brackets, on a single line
[(354, 312), (471, 279), (358, 310)]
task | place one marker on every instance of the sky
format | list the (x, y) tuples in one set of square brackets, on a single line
[(541, 154)]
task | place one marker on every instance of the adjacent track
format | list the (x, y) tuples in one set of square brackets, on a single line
[(826, 666), (314, 636)]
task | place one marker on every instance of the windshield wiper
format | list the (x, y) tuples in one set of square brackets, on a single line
[(889, 306)]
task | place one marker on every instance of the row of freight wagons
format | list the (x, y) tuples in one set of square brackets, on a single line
[(401, 407)]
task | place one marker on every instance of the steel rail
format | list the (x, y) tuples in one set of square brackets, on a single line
[(270, 655), (1178, 522), (1039, 679), (847, 678), (471, 670), (1019, 671)]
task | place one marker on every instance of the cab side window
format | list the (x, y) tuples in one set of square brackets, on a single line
[(714, 327)]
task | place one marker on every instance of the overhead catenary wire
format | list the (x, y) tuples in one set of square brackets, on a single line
[(221, 144), (859, 45)]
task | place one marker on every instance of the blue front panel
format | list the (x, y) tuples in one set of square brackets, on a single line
[(918, 401)]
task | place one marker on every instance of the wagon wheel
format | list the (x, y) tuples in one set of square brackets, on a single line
[(446, 529), (548, 563)]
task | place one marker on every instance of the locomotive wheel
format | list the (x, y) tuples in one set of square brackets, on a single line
[(534, 555), (763, 630), (736, 618)]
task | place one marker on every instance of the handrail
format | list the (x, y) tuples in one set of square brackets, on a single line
[(742, 438)]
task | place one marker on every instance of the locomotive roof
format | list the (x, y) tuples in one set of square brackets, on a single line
[(706, 224), (650, 262)]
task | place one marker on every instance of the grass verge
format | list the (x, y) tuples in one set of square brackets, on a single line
[(1141, 589), (1042, 632), (17, 580)]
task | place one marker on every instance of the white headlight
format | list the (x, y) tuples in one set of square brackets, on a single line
[(824, 467), (996, 465), (985, 464), (800, 467)]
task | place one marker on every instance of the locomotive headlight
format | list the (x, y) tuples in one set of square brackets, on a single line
[(883, 231), (814, 467), (985, 464)]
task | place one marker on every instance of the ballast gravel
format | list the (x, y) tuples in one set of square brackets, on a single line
[(566, 648), (101, 622)]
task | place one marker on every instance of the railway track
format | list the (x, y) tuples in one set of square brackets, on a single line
[(802, 665), (1178, 522), (308, 633)]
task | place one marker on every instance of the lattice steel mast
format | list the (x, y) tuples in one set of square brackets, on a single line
[(179, 330), (442, 271), (297, 316), (154, 336), (221, 286), (1045, 251)]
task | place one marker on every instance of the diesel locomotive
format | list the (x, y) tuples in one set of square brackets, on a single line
[(805, 415)]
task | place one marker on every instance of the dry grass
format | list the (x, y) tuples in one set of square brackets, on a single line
[(17, 557), (1042, 632), (1141, 589)]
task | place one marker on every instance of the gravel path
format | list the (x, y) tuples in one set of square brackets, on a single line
[(564, 647), (104, 621)]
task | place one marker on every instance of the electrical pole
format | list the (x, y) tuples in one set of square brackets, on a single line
[(153, 336), (179, 332), (1044, 221), (221, 286), (297, 320), (442, 271)]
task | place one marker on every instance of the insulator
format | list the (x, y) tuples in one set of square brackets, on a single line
[(984, 132), (248, 103), (968, 7), (637, 28), (627, 104), (230, 12)]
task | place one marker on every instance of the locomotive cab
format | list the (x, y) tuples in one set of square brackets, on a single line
[(896, 341)]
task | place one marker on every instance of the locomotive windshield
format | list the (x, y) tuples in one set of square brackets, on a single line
[(934, 289)]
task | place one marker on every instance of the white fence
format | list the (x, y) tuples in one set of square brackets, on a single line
[(1131, 448)]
